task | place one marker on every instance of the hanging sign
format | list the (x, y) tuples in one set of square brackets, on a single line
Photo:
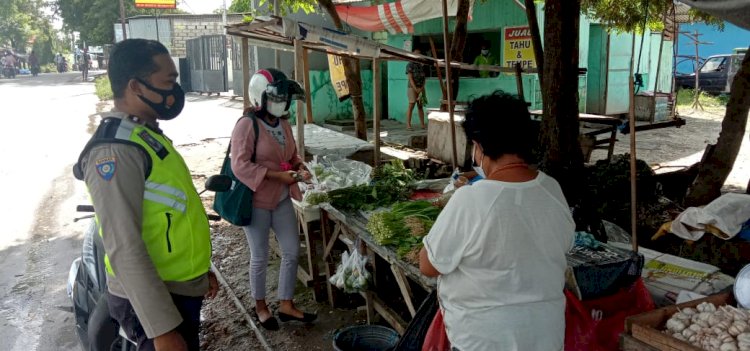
[(517, 47), (338, 77), (156, 4)]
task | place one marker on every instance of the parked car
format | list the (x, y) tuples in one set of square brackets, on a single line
[(715, 75)]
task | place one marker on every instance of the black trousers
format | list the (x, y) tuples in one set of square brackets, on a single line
[(190, 308)]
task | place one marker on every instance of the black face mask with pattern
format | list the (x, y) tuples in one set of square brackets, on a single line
[(173, 101)]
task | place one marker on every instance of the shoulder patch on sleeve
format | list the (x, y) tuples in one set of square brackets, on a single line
[(106, 167)]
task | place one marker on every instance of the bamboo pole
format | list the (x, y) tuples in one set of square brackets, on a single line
[(631, 120), (376, 110), (245, 73), (308, 98), (299, 53), (519, 81), (448, 85)]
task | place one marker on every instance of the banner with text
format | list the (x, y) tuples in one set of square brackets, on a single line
[(517, 47), (338, 77), (156, 4)]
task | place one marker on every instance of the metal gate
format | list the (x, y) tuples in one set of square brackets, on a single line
[(237, 79), (207, 59)]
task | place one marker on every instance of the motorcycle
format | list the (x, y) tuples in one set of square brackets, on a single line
[(9, 71), (87, 285), (62, 67)]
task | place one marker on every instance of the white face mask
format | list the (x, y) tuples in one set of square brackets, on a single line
[(478, 169), (276, 109), (485, 52)]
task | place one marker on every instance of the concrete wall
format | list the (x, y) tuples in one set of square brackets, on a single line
[(174, 30)]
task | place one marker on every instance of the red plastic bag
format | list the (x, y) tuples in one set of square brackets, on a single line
[(596, 325), (436, 338)]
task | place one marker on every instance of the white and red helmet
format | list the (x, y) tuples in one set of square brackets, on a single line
[(271, 91)]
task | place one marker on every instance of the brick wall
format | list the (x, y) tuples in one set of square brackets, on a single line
[(189, 27)]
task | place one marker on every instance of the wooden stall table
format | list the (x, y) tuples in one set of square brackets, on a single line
[(351, 230), (309, 270), (610, 127)]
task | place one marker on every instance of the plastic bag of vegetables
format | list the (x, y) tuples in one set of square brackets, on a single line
[(351, 275)]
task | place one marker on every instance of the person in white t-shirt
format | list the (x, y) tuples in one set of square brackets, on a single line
[(498, 248)]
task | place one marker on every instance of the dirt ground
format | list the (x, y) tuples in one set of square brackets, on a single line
[(225, 327)]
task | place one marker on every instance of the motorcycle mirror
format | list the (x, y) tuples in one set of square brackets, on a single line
[(218, 183)]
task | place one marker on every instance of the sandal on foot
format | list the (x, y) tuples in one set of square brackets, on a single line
[(308, 317), (270, 324)]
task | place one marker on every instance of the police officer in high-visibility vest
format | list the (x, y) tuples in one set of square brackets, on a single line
[(152, 221)]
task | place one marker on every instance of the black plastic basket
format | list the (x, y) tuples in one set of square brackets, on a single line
[(365, 338)]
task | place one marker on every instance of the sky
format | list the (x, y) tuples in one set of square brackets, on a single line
[(201, 6)]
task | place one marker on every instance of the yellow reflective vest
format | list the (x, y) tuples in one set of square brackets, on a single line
[(175, 227)]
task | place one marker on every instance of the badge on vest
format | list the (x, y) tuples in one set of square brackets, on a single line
[(105, 167), (158, 148)]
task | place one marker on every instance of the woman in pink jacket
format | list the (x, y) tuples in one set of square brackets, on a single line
[(273, 176)]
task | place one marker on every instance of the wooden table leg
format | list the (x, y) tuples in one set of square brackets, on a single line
[(612, 140), (403, 284)]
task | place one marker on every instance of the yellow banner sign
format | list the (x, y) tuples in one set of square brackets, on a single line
[(517, 47), (338, 77), (156, 4)]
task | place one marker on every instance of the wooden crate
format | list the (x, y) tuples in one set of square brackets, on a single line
[(647, 327)]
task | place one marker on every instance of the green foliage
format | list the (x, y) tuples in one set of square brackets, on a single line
[(685, 98), (629, 15), (22, 21), (391, 183), (95, 19), (286, 7), (49, 68), (103, 88)]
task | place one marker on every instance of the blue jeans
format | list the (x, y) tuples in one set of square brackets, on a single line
[(283, 221)]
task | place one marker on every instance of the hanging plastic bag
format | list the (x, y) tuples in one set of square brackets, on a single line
[(351, 274)]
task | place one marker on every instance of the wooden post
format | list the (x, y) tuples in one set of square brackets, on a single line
[(245, 73), (448, 84), (122, 20), (308, 98), (631, 122), (519, 81), (376, 110), (536, 37), (697, 102), (440, 75), (658, 63), (299, 53)]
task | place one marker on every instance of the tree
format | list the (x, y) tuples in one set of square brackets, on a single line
[(353, 77), (561, 154), (715, 168), (95, 19)]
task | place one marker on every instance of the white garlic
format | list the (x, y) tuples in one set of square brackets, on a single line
[(676, 325), (715, 319), (696, 327), (688, 333), (744, 337), (681, 316), (679, 336), (725, 337), (689, 311), (725, 324), (706, 307), (715, 343), (728, 346)]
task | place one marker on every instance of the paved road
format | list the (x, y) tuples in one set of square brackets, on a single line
[(47, 120)]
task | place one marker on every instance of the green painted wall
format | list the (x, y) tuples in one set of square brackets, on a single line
[(325, 103), (488, 16)]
